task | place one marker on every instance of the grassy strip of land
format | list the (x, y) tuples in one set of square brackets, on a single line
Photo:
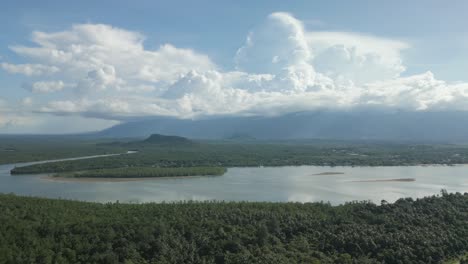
[(144, 172), (428, 230)]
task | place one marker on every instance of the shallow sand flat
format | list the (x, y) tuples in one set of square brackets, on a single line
[(388, 180), (328, 173)]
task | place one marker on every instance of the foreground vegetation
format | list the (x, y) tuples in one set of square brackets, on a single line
[(427, 230), (261, 153), (144, 172)]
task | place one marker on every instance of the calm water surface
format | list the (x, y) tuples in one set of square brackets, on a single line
[(277, 184)]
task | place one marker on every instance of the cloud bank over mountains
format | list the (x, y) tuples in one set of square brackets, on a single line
[(100, 71)]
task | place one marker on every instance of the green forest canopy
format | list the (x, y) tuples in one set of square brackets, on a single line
[(427, 230)]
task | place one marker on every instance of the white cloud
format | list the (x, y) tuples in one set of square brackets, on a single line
[(9, 117), (418, 92), (3, 105), (282, 67), (117, 108), (282, 44), (99, 79), (277, 43), (99, 55), (29, 69), (12, 120), (4, 122), (45, 86), (27, 101), (356, 57)]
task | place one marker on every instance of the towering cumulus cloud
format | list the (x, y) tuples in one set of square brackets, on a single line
[(101, 71), (279, 42)]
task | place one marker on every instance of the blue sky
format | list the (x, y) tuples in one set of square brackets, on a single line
[(429, 37)]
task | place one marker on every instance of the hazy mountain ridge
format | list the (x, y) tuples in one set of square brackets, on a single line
[(420, 126)]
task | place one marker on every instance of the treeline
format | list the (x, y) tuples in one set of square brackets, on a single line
[(241, 155), (428, 230), (144, 172)]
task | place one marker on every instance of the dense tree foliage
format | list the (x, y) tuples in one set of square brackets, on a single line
[(225, 154), (427, 230), (166, 140), (143, 172)]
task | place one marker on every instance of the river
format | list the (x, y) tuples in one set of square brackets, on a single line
[(274, 184)]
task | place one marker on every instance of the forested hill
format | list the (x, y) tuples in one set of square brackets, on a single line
[(154, 140), (428, 230), (167, 140)]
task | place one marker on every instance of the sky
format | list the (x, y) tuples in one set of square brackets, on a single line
[(76, 66)]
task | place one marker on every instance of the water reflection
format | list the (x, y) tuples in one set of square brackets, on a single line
[(285, 184)]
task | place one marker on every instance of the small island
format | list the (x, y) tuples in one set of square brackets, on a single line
[(126, 167), (143, 172)]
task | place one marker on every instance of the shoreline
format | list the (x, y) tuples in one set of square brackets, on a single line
[(90, 179)]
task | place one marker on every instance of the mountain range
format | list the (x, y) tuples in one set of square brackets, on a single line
[(380, 125)]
